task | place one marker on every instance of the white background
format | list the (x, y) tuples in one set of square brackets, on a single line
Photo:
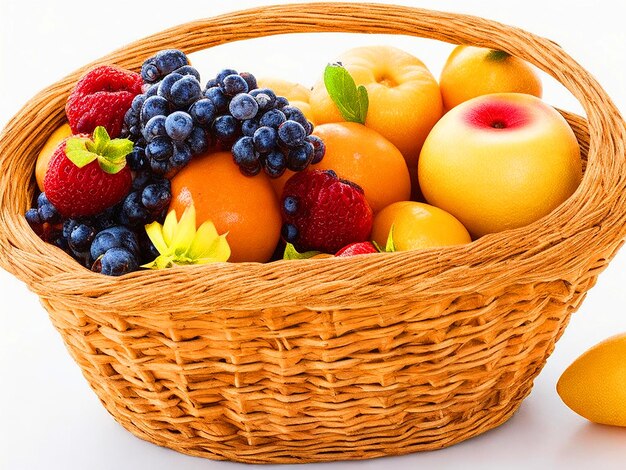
[(50, 418)]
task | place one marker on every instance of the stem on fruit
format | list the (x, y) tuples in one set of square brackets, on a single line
[(497, 56)]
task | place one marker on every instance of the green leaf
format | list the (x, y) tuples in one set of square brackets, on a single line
[(100, 139), (292, 253), (117, 149), (351, 101), (109, 166), (76, 150)]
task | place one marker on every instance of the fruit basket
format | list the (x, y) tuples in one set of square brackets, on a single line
[(327, 359)]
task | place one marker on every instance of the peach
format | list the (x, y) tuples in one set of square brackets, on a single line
[(43, 159), (499, 161)]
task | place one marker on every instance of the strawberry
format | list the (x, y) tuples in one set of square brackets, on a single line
[(360, 248), (322, 212), (87, 176), (101, 98)]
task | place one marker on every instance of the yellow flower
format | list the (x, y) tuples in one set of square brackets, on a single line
[(179, 243)]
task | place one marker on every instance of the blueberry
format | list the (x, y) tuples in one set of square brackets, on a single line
[(319, 148), (185, 91), (178, 125), (294, 114), (133, 212), (265, 139), (142, 179), (203, 111), (263, 101), (211, 83), (281, 102), (289, 233), (42, 200), (290, 205), (225, 128), (137, 159), (114, 237), (168, 60), (223, 74), (116, 262), (291, 133), (68, 226), (251, 171), (272, 118), (148, 250), (243, 106), (156, 197), (81, 237), (182, 155), (152, 91), (154, 106), (249, 127), (48, 213), (267, 92), (250, 80), (160, 167), (160, 149), (138, 103), (198, 141), (149, 71), (300, 157), (234, 84), (164, 87), (155, 127), (131, 118), (275, 164), (32, 217), (217, 97), (106, 219), (188, 70), (244, 154)]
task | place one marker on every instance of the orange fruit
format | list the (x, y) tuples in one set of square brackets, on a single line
[(43, 159), (417, 225), (245, 207), (361, 155), (474, 71), (404, 97), (594, 385)]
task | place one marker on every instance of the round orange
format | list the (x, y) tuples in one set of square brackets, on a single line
[(474, 71), (417, 225), (245, 207), (45, 154), (361, 155)]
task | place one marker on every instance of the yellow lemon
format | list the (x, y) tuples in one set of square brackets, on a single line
[(594, 386)]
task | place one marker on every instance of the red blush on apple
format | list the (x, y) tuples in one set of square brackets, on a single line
[(497, 115)]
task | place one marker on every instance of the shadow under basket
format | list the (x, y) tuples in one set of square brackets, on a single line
[(328, 359)]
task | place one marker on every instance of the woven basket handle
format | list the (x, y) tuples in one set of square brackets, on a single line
[(28, 130)]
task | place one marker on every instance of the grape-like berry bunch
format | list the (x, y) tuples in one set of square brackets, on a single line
[(164, 124), (264, 131)]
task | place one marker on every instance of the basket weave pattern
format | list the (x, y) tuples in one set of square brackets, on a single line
[(329, 359)]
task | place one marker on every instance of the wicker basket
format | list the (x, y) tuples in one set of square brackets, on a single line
[(329, 359)]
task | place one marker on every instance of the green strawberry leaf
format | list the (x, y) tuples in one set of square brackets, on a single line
[(292, 253), (111, 167), (117, 149), (76, 149), (351, 101)]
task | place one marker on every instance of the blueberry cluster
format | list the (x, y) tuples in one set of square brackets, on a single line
[(148, 200), (166, 124), (263, 130)]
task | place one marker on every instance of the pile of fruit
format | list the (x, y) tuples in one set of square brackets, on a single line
[(155, 169)]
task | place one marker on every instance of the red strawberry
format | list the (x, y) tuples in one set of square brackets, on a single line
[(101, 98), (322, 212), (357, 249), (86, 176)]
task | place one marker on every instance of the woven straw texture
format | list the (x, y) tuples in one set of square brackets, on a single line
[(328, 359)]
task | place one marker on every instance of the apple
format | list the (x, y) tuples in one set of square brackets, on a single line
[(500, 161), (404, 97)]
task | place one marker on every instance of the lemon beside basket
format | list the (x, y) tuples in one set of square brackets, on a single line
[(329, 359)]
